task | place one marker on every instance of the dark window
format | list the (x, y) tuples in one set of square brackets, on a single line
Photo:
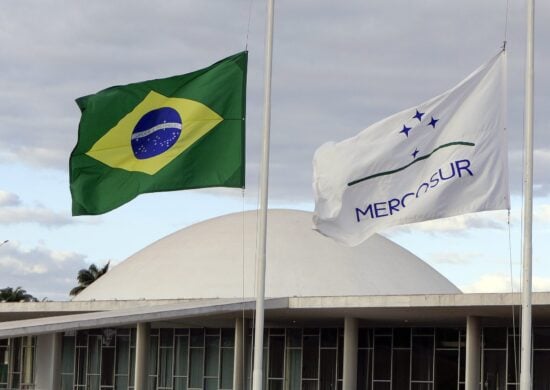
[(401, 368), (446, 369)]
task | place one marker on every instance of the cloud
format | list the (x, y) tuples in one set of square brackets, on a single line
[(336, 69), (454, 258), (9, 199), (38, 215), (501, 283), (461, 224), (41, 271), (541, 214), (12, 212), (541, 175)]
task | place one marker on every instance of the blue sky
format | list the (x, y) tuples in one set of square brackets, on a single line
[(337, 69)]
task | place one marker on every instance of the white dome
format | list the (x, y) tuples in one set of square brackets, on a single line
[(209, 260)]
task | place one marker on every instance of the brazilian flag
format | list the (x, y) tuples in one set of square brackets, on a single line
[(177, 133)]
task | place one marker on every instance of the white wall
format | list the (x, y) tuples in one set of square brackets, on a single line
[(48, 361)]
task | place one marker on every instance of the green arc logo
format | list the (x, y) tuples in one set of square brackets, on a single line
[(457, 143)]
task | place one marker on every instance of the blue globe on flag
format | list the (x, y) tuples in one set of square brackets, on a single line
[(156, 132)]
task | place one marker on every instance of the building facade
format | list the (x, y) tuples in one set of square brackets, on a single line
[(178, 315)]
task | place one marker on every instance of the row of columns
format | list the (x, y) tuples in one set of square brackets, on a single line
[(49, 347), (473, 353)]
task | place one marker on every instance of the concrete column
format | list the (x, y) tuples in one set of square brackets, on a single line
[(351, 331), (142, 355), (48, 361), (239, 364), (473, 353)]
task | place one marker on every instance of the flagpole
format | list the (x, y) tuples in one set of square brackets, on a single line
[(257, 376), (526, 325)]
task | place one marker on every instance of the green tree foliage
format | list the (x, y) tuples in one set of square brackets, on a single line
[(18, 294), (88, 276)]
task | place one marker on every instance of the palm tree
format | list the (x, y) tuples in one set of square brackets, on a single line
[(88, 276), (18, 294)]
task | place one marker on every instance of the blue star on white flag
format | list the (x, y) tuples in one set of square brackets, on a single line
[(444, 157)]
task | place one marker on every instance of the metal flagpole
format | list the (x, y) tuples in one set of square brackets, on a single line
[(526, 326), (257, 376)]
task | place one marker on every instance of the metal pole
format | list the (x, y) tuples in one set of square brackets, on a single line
[(526, 326), (257, 376)]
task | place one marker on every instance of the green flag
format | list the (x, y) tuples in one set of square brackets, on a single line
[(177, 133)]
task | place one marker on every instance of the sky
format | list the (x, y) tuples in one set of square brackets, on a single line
[(337, 67)]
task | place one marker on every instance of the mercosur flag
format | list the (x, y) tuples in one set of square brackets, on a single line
[(177, 133), (441, 158)]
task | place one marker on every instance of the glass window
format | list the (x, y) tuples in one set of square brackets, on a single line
[(541, 371), (165, 368), (197, 337), (423, 331), (327, 377), (82, 339), (276, 356), (67, 355), (81, 359), (4, 359), (383, 331), (422, 358), (121, 383), (311, 357), (94, 349), (446, 369), (122, 355), (541, 337), (294, 337), (228, 337), (365, 338), (93, 382), (328, 337), (513, 362), (275, 384), (401, 368), (15, 380), (180, 383), (382, 357), (494, 370), (166, 337), (311, 331), (226, 379), (309, 384), (212, 355), (462, 373), (364, 372), (494, 337), (66, 382), (446, 338), (340, 354), (15, 348), (153, 354), (152, 383), (196, 368), (181, 355), (421, 386), (402, 338), (293, 374), (107, 366), (132, 364), (211, 384)]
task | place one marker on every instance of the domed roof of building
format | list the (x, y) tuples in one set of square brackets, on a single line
[(211, 259)]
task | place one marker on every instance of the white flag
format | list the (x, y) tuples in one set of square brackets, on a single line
[(441, 158)]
